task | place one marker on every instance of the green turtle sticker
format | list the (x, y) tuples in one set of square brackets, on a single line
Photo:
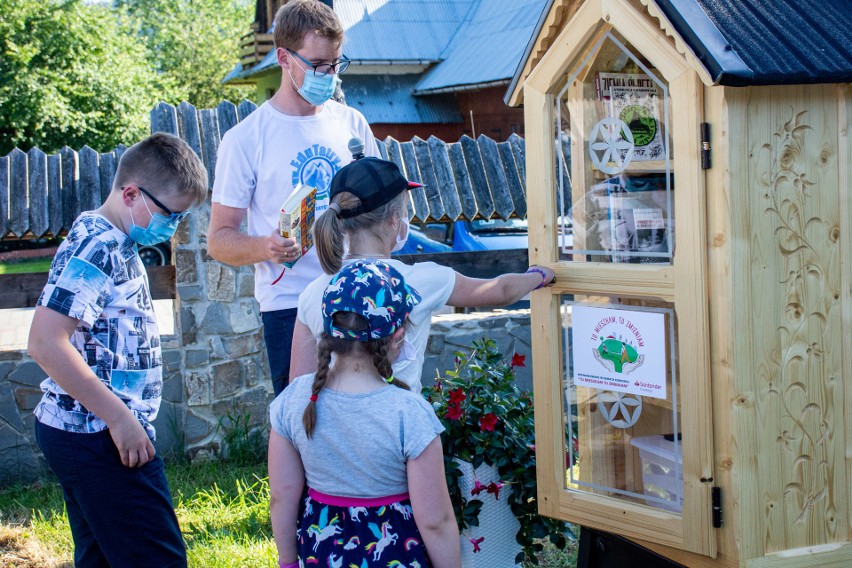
[(618, 352)]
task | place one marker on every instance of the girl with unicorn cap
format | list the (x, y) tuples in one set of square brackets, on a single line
[(368, 448), (368, 218)]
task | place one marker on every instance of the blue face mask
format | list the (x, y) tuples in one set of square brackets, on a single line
[(316, 89), (159, 228)]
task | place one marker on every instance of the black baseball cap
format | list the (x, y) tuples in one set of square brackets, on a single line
[(373, 181)]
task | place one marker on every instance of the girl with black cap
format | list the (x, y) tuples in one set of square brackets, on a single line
[(368, 219)]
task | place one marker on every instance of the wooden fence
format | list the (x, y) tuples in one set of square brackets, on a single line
[(41, 195)]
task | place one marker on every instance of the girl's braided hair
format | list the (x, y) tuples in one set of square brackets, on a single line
[(376, 348)]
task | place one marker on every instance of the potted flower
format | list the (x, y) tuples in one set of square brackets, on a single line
[(490, 435)]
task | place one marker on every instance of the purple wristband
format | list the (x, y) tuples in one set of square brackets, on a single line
[(541, 272), (291, 565)]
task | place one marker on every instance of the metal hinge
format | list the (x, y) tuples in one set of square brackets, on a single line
[(705, 146), (716, 498)]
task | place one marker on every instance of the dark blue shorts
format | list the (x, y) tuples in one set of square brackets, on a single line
[(339, 531), (120, 517)]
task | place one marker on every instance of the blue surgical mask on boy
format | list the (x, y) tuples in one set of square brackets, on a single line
[(159, 229)]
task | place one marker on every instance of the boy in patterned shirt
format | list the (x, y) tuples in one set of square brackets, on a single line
[(95, 334)]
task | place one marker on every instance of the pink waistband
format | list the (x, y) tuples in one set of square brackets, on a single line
[(338, 501)]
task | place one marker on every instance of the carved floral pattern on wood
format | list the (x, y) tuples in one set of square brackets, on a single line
[(801, 385)]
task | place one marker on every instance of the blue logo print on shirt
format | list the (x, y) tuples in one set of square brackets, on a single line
[(315, 166)]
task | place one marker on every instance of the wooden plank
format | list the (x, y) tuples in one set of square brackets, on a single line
[(691, 304), (432, 189), (188, 126), (226, 116), (834, 555), (497, 183), (23, 290), (245, 108), (54, 194), (107, 167), (68, 187), (844, 153), (513, 179), (209, 142), (545, 321), (19, 222), (563, 166), (518, 149), (478, 179), (395, 156), (464, 189), (411, 172), (383, 149), (37, 194), (4, 195), (164, 119), (119, 152), (614, 279), (89, 187), (444, 178)]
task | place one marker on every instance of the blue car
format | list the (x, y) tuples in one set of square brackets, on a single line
[(463, 236)]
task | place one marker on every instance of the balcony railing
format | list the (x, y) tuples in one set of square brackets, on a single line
[(254, 46)]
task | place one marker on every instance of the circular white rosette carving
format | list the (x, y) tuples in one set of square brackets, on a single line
[(611, 145), (620, 409)]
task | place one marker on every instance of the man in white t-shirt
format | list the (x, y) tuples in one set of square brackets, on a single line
[(297, 136)]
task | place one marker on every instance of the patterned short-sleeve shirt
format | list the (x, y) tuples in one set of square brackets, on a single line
[(98, 278)]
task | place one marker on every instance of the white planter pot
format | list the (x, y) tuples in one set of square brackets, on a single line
[(496, 522)]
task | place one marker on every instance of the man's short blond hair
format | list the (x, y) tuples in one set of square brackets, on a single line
[(163, 164), (297, 18)]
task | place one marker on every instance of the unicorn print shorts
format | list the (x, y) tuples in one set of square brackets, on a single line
[(339, 532)]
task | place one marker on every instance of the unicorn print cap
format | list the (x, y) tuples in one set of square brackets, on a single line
[(372, 289)]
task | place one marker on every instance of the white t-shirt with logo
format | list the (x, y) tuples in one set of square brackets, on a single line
[(262, 159), (432, 281)]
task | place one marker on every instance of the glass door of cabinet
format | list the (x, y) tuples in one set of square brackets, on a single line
[(631, 354)]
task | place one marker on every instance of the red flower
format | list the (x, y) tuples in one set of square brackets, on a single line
[(477, 488), (518, 360), (475, 542), (454, 412), (487, 422), (457, 396), (494, 487)]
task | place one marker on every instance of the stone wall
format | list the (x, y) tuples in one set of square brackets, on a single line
[(215, 364)]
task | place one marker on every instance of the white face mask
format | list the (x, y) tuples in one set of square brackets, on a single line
[(401, 238), (407, 352)]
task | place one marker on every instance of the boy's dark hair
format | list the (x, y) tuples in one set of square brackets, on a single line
[(163, 164), (299, 17)]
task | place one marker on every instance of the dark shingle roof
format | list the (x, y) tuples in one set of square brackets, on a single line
[(767, 42)]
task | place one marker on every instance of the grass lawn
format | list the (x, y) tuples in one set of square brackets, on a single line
[(223, 510), (26, 265)]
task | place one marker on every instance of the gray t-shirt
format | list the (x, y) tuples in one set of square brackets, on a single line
[(361, 441)]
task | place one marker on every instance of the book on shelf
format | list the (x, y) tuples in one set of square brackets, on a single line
[(606, 81), (639, 109), (297, 217)]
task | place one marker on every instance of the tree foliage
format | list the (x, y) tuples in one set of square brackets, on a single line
[(77, 72), (71, 74), (193, 44)]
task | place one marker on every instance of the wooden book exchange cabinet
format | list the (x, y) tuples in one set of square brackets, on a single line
[(688, 178)]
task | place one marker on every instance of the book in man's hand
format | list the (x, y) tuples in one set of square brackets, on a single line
[(297, 217)]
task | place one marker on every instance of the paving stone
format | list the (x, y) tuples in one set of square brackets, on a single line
[(172, 359), (217, 320), (189, 292), (27, 398), (5, 368), (242, 345), (197, 427), (197, 389), (28, 373), (221, 282), (17, 462), (9, 408), (187, 326), (11, 355), (173, 390), (169, 427), (197, 357), (253, 402), (246, 286), (186, 270), (227, 378), (244, 316)]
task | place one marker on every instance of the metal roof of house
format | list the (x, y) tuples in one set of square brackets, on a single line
[(400, 30), (384, 99), (487, 46), (762, 42)]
